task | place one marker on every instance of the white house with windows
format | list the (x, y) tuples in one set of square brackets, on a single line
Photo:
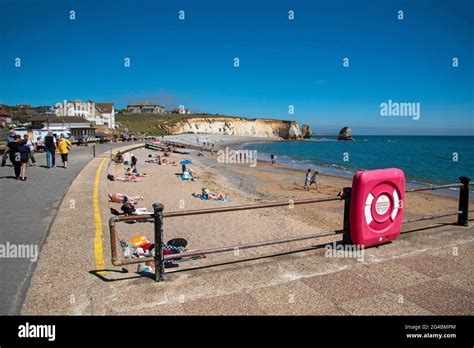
[(99, 113), (107, 114)]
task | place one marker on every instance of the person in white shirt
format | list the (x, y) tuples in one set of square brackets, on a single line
[(31, 145)]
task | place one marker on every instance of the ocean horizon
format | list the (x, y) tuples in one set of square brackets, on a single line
[(425, 159)]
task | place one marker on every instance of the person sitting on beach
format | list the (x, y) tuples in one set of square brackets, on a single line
[(188, 174), (191, 172), (121, 198), (118, 159), (133, 170), (200, 153), (207, 195)]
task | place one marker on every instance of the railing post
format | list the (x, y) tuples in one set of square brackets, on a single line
[(159, 261), (464, 202), (93, 150), (346, 236)]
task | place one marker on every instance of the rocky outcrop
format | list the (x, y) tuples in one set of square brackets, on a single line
[(235, 126), (306, 131), (345, 134)]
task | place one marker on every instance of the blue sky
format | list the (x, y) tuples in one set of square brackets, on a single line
[(282, 62)]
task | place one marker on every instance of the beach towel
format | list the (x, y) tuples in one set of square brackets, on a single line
[(185, 177), (142, 211), (216, 200)]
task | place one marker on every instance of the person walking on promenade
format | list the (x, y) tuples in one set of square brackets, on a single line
[(11, 139), (31, 146), (11, 136), (24, 151), (50, 149), (64, 146), (13, 152), (39, 145)]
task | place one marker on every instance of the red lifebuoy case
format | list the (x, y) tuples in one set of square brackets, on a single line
[(377, 204)]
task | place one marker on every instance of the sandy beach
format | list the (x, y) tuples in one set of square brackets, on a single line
[(244, 184)]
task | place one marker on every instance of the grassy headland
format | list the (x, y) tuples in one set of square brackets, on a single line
[(151, 124)]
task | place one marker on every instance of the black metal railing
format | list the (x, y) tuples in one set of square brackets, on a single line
[(158, 216)]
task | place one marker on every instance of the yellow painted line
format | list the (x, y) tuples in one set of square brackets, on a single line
[(98, 250)]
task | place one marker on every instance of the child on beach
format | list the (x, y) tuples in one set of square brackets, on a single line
[(311, 179), (307, 179)]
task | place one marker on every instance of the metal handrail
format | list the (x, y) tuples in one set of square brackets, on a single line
[(433, 187), (158, 216), (248, 245)]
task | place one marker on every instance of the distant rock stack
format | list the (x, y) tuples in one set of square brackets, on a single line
[(306, 131), (345, 134)]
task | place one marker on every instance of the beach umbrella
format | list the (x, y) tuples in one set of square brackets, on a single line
[(185, 162)]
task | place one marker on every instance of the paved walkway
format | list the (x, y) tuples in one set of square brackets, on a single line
[(28, 210)]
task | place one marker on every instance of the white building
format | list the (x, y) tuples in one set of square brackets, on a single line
[(73, 127), (99, 113), (107, 114), (146, 108)]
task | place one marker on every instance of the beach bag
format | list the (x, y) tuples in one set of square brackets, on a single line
[(128, 209), (114, 212), (110, 177), (178, 242), (4, 160), (138, 241)]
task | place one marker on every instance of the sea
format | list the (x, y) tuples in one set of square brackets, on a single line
[(424, 159)]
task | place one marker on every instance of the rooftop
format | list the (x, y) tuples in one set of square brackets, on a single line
[(104, 107), (144, 104), (58, 119)]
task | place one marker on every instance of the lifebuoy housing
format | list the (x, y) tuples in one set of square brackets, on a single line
[(377, 202)]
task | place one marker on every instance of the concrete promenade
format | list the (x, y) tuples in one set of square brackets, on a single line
[(28, 211)]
